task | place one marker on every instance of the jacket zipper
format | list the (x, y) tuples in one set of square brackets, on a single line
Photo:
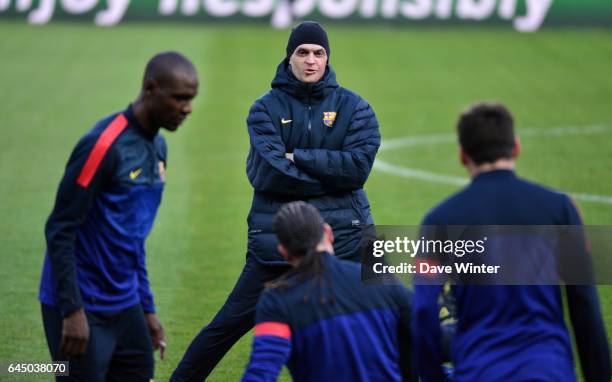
[(309, 111)]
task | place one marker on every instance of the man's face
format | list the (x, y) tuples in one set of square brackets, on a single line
[(308, 62), (170, 100)]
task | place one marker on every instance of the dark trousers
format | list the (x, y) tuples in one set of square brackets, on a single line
[(119, 347), (235, 319)]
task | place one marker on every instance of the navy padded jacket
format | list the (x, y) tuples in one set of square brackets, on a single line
[(333, 134)]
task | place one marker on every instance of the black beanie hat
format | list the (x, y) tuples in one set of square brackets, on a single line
[(307, 32)]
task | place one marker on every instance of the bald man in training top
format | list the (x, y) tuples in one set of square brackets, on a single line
[(97, 306)]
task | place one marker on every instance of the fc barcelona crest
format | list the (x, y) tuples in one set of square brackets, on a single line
[(328, 118)]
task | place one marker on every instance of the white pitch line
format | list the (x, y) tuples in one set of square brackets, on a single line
[(434, 139), (592, 198), (406, 172), (417, 140), (427, 176)]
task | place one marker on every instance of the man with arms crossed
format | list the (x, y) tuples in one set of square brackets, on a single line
[(311, 140)]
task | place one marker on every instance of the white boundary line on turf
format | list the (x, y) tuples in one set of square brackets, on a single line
[(433, 139)]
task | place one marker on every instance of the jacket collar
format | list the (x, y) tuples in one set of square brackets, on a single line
[(285, 81), (494, 175)]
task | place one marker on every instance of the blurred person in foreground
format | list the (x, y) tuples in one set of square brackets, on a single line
[(508, 332), (97, 306), (310, 140), (321, 320)]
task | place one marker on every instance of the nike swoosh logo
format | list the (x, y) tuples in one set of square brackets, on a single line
[(134, 174), (286, 121)]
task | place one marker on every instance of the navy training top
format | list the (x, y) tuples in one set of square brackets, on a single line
[(105, 207), (511, 332), (339, 330)]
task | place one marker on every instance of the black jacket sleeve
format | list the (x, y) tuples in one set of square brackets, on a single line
[(349, 168), (589, 332), (585, 314), (406, 359), (267, 168), (72, 204)]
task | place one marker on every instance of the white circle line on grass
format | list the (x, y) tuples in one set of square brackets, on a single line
[(406, 172), (427, 176), (434, 139)]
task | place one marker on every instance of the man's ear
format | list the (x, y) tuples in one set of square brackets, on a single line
[(463, 157), (516, 150), (329, 233), (148, 87), (283, 251)]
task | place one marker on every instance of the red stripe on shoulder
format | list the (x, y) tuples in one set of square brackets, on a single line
[(104, 142), (277, 329)]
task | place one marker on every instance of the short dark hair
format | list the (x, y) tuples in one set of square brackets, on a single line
[(160, 66), (486, 132)]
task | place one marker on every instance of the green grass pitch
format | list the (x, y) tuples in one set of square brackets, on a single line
[(57, 80)]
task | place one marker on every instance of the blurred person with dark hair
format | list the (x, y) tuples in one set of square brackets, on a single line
[(97, 306), (311, 140), (507, 332), (321, 320)]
